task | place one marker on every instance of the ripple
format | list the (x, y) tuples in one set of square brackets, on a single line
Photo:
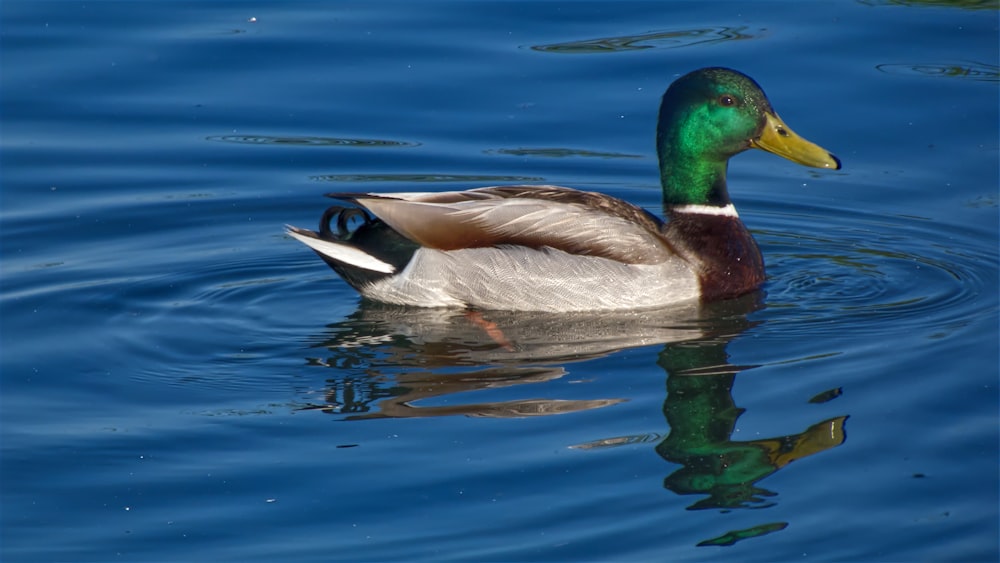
[(969, 70), (964, 4), (672, 39), (874, 274), (733, 536), (308, 141), (178, 319), (423, 178), (617, 441), (561, 153)]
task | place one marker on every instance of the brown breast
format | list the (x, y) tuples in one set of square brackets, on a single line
[(727, 258)]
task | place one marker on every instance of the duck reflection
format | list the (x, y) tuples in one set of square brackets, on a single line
[(401, 361), (393, 361)]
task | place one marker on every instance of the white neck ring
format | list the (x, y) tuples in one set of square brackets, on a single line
[(726, 211)]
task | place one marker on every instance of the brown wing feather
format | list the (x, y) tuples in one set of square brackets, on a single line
[(585, 223), (594, 200)]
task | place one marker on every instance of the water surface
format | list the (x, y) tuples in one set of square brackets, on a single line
[(181, 381)]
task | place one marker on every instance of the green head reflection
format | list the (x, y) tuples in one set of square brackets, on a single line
[(702, 416)]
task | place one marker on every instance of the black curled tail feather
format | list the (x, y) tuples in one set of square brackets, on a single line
[(343, 216), (358, 228)]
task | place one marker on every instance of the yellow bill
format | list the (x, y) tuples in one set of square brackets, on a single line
[(779, 139)]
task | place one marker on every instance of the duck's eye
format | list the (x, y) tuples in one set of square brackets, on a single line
[(726, 100)]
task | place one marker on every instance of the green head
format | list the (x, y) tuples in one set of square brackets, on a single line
[(710, 115)]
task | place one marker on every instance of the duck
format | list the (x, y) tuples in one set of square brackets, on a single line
[(558, 249)]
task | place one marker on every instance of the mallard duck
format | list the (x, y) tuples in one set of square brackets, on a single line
[(550, 248)]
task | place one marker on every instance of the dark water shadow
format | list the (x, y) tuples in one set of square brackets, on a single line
[(388, 362), (305, 141), (963, 4), (966, 70), (669, 39)]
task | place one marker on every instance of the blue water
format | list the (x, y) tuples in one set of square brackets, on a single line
[(183, 382)]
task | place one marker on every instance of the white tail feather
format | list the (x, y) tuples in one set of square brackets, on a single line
[(344, 253)]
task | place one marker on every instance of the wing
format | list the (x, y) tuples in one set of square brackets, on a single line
[(584, 223)]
